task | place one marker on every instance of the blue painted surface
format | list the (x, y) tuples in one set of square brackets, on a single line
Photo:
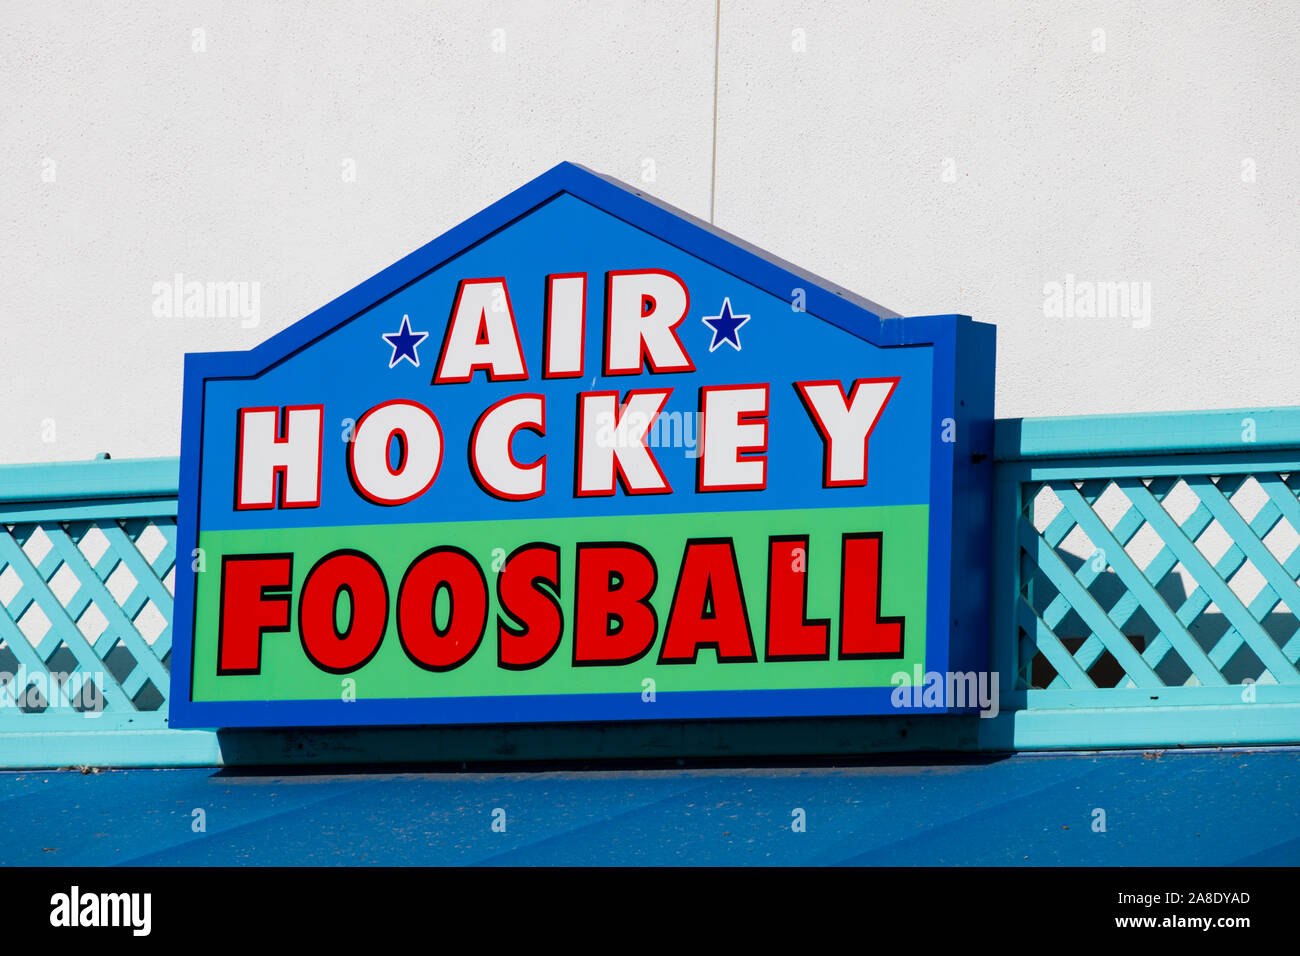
[(1175, 809), (346, 371), (570, 219)]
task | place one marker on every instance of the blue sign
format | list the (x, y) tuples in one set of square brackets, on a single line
[(584, 458)]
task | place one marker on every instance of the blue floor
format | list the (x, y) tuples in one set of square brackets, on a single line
[(1172, 809)]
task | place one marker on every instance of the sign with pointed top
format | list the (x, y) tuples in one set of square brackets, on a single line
[(584, 458)]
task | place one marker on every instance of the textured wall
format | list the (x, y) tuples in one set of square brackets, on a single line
[(933, 157)]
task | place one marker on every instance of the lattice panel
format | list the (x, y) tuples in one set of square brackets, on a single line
[(85, 616), (1176, 581)]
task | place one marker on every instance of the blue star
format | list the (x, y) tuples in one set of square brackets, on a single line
[(725, 326), (404, 342)]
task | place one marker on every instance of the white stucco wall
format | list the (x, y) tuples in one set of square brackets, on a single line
[(934, 157)]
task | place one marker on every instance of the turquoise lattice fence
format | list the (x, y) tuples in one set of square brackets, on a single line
[(1146, 578), (85, 583), (1145, 595)]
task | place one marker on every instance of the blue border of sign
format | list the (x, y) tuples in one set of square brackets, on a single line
[(960, 482)]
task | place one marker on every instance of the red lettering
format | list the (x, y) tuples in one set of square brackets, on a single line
[(329, 647), (250, 607), (425, 643), (521, 594), (613, 622), (864, 634), (708, 607), (790, 635)]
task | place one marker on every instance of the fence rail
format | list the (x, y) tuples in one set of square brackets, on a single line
[(1145, 578), (1145, 595)]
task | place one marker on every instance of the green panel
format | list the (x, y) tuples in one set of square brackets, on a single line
[(287, 674)]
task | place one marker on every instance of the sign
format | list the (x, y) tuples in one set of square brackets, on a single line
[(583, 458)]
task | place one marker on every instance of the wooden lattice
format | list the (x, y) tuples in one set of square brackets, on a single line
[(85, 619), (1146, 583)]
